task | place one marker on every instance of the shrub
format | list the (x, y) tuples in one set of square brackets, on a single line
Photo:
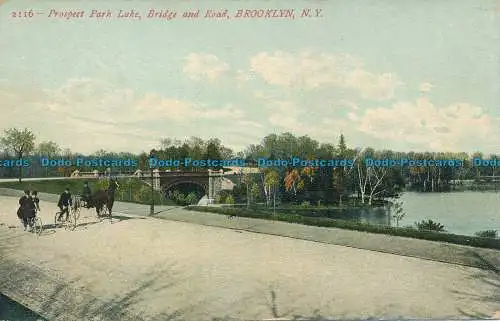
[(364, 227), (179, 198), (191, 198), (230, 199), (429, 225), (488, 234)]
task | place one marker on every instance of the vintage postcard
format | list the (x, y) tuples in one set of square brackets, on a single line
[(249, 160)]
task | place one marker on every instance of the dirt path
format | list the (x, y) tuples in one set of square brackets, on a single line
[(149, 268)]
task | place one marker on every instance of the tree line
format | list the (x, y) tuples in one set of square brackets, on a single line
[(311, 184)]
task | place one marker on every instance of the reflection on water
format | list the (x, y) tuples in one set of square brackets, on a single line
[(13, 311), (460, 212)]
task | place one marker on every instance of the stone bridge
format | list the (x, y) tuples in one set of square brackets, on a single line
[(210, 181)]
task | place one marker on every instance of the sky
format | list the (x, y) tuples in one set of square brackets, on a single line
[(401, 75)]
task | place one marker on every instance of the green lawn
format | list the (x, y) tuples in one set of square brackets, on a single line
[(131, 190)]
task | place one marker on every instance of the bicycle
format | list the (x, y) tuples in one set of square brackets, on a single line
[(69, 221), (104, 213), (36, 225)]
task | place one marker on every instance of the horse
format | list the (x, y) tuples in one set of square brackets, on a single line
[(101, 198)]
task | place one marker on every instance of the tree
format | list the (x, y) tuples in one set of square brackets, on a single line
[(362, 172), (339, 176), (254, 191), (271, 181), (213, 151), (398, 213), (293, 182), (21, 143), (48, 149), (375, 179), (248, 181)]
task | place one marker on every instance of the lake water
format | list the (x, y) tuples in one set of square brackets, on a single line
[(460, 212)]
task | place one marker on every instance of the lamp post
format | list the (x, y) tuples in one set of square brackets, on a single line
[(152, 154)]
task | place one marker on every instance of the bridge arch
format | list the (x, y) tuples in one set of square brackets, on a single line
[(168, 186)]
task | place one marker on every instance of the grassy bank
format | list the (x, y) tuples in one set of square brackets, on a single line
[(131, 190), (350, 225)]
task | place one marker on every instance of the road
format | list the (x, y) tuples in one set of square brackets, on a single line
[(33, 179), (140, 268)]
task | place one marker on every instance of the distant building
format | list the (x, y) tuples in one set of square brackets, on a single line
[(241, 170)]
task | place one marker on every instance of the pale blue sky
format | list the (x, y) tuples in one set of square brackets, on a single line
[(90, 69)]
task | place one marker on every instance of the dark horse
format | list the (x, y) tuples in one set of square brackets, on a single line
[(103, 198)]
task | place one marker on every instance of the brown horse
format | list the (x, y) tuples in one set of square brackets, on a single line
[(101, 198)]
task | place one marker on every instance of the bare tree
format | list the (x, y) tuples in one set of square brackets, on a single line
[(375, 177)]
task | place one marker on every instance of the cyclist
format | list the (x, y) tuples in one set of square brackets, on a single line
[(23, 205), (65, 201), (31, 207), (22, 199), (36, 200), (87, 195)]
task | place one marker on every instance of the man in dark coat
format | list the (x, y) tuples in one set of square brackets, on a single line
[(36, 200), (65, 201), (22, 204), (26, 208), (87, 195)]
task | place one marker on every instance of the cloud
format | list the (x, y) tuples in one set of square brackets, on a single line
[(201, 66), (287, 116), (349, 104), (372, 86), (319, 70), (243, 77), (87, 114), (425, 87), (457, 127)]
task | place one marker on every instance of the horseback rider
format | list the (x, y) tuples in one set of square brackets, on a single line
[(112, 187), (65, 201), (87, 195)]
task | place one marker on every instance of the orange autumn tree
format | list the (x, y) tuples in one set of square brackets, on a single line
[(309, 172), (294, 181)]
